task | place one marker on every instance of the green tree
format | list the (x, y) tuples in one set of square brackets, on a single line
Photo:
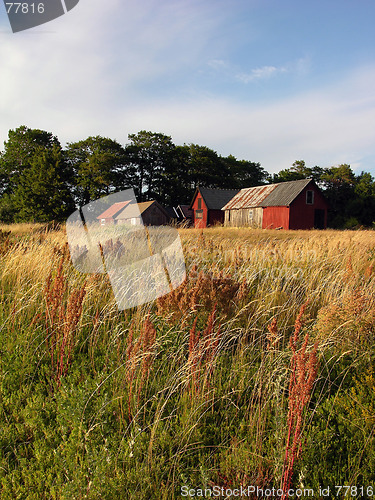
[(20, 149), (365, 197), (297, 171), (339, 183), (176, 187), (365, 185), (244, 173), (99, 167), (7, 209), (42, 193), (205, 167), (152, 155)]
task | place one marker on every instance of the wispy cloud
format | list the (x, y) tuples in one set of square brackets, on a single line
[(300, 66), (263, 73), (98, 59), (217, 64), (330, 125)]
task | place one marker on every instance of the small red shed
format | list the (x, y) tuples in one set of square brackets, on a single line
[(286, 205), (207, 204)]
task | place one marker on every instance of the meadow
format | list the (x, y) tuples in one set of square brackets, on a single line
[(258, 370)]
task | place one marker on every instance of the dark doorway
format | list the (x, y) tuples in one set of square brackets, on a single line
[(319, 218)]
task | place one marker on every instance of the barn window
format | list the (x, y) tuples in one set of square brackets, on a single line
[(309, 197), (133, 221), (199, 203), (199, 214), (251, 215), (102, 222)]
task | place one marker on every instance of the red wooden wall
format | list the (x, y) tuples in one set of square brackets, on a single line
[(274, 217), (299, 215), (302, 215), (204, 221)]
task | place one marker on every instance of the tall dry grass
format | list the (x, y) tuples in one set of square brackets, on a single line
[(210, 384)]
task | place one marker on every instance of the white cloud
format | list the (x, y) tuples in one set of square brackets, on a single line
[(324, 127), (262, 73), (97, 59), (217, 64), (300, 66), (87, 73)]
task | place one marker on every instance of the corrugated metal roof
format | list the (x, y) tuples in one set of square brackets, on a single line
[(113, 210), (250, 197), (215, 199), (285, 193), (271, 195)]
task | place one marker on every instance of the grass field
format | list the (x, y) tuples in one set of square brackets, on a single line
[(257, 371)]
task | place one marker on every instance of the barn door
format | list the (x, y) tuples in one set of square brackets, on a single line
[(318, 218)]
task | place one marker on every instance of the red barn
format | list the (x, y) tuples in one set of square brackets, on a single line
[(287, 205), (207, 205)]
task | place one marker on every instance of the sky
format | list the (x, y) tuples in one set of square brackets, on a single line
[(264, 80)]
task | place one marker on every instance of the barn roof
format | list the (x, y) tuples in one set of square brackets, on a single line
[(271, 195), (142, 207), (250, 197), (215, 199), (185, 211), (113, 210), (285, 193), (171, 211)]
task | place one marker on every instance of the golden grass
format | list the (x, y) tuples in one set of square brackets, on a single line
[(234, 315), (286, 267)]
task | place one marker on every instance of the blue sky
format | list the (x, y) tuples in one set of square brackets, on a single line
[(267, 81)]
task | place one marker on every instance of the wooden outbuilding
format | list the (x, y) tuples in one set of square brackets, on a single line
[(207, 205), (286, 205), (184, 214), (152, 213), (109, 215)]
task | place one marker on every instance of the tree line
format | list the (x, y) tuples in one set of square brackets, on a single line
[(42, 181), (39, 180)]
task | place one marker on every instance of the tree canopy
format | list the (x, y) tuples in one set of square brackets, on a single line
[(32, 173), (298, 171), (99, 167), (42, 193), (19, 150)]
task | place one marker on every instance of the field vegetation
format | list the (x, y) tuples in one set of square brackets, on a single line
[(258, 370)]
